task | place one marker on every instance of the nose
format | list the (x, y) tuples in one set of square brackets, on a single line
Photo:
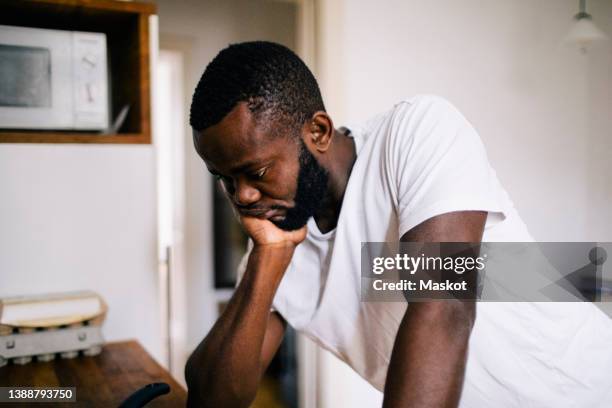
[(245, 194)]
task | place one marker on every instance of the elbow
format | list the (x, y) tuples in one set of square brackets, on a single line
[(200, 392), (194, 398), (207, 389), (195, 372), (189, 372)]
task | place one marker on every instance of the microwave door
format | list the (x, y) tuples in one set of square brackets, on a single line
[(25, 76), (35, 79)]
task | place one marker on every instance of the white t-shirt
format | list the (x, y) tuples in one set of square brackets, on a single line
[(420, 159)]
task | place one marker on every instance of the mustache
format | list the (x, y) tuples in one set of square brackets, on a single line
[(254, 208)]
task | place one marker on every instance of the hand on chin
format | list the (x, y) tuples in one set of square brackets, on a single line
[(263, 232)]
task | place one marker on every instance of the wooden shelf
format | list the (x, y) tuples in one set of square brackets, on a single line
[(89, 5), (76, 137), (126, 25)]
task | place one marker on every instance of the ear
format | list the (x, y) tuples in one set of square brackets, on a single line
[(320, 131)]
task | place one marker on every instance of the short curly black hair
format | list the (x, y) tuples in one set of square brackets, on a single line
[(269, 77)]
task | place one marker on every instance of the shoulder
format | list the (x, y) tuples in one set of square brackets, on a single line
[(426, 108), (426, 119), (423, 106), (412, 124)]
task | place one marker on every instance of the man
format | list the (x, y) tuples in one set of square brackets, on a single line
[(309, 194)]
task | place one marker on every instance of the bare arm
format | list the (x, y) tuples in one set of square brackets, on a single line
[(430, 351), (226, 367)]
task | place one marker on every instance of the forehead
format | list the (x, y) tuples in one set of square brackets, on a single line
[(238, 141)]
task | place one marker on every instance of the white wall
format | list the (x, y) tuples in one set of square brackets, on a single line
[(201, 29), (543, 111), (82, 217), (600, 127)]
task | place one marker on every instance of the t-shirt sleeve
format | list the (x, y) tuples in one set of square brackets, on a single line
[(439, 164)]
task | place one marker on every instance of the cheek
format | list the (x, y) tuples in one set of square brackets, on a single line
[(283, 184)]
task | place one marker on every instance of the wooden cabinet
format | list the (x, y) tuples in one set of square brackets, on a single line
[(127, 28)]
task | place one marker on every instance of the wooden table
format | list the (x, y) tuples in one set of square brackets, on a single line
[(101, 381)]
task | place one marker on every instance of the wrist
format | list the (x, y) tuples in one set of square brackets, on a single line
[(278, 247), (271, 260), (276, 253)]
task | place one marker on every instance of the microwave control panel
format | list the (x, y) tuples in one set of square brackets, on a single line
[(90, 87)]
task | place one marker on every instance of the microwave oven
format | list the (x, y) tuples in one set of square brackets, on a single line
[(53, 79)]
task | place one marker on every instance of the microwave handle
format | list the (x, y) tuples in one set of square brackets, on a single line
[(118, 122)]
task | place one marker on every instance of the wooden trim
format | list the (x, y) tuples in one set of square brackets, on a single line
[(57, 137), (109, 5), (145, 76)]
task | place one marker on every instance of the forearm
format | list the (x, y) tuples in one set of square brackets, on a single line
[(226, 367), (429, 355)]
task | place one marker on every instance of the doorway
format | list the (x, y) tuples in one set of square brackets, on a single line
[(169, 146)]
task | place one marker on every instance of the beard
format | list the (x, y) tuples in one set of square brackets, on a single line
[(311, 188)]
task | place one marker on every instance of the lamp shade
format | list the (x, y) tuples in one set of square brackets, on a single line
[(584, 32)]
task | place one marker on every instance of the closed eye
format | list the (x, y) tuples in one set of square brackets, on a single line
[(217, 176), (260, 173)]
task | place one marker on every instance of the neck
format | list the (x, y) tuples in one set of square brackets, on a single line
[(342, 156)]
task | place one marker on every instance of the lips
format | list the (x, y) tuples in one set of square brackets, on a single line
[(277, 218), (266, 214)]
